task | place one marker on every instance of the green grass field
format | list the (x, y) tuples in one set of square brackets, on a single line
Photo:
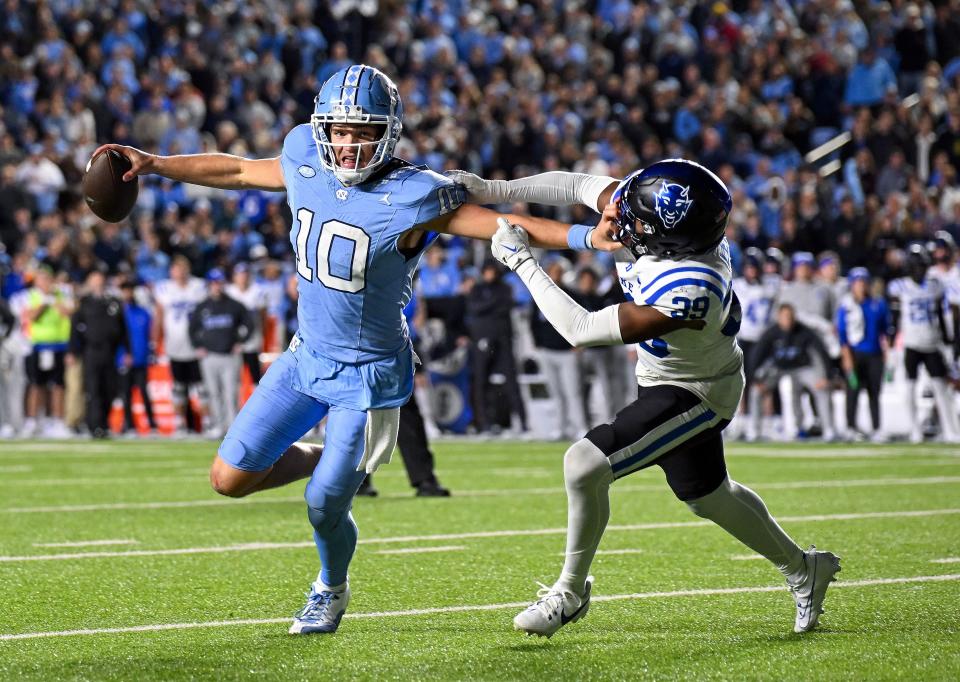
[(182, 584)]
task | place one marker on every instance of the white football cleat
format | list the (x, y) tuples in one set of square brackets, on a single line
[(322, 613), (552, 610), (822, 569)]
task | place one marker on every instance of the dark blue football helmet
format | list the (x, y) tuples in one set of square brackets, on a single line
[(672, 209), (917, 262)]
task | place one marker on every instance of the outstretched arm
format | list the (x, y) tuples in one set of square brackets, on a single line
[(555, 188), (613, 325), (223, 171), (477, 222)]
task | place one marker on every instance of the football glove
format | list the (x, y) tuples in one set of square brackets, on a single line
[(511, 245), (481, 191)]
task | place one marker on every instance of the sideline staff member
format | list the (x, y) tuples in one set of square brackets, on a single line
[(99, 329)]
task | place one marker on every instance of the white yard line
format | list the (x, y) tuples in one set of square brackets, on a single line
[(86, 543), (947, 560), (473, 607), (825, 452), (745, 557), (406, 539), (421, 550), (499, 492), (140, 480)]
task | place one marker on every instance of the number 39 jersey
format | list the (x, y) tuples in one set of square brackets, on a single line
[(707, 362), (919, 305), (353, 280)]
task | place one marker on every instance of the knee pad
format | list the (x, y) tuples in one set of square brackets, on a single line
[(325, 509), (325, 521), (585, 465), (709, 505)]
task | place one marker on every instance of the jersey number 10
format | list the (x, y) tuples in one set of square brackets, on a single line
[(330, 230)]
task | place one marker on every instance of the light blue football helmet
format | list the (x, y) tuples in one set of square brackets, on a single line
[(359, 95)]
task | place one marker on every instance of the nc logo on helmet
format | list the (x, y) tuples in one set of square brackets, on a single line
[(672, 203)]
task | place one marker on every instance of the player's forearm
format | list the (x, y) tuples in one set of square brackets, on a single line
[(223, 171), (575, 324), (545, 233)]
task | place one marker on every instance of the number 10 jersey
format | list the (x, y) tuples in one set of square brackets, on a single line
[(707, 362), (353, 280)]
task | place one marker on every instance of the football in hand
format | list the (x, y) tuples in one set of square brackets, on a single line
[(104, 190)]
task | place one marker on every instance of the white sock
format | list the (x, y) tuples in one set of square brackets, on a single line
[(944, 399), (321, 586), (588, 476), (912, 407), (741, 512)]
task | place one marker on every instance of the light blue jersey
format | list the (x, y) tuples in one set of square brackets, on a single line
[(353, 279)]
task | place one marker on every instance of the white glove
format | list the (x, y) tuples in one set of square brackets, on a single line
[(479, 190), (510, 245)]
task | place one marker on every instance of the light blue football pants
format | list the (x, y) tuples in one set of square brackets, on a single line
[(275, 417)]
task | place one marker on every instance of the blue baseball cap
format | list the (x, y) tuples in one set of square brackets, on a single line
[(216, 275), (858, 273), (803, 258)]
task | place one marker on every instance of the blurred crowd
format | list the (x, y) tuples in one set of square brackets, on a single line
[(498, 87)]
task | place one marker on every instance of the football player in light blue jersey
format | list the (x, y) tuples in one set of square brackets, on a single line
[(362, 220)]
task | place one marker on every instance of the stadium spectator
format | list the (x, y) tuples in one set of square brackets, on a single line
[(790, 349), (48, 313), (98, 330), (603, 365), (560, 365), (133, 374), (249, 293), (862, 325), (496, 393), (219, 325), (12, 381), (176, 299), (917, 302)]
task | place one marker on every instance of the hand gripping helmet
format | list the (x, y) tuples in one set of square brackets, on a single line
[(672, 209), (357, 95)]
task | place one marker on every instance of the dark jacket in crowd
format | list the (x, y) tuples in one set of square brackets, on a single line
[(787, 350), (98, 327), (544, 333), (488, 308), (219, 324)]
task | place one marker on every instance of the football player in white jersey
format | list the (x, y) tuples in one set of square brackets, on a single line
[(943, 249), (757, 293), (175, 299), (252, 295), (917, 303), (684, 315)]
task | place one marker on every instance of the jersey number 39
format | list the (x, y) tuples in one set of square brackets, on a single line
[(330, 231)]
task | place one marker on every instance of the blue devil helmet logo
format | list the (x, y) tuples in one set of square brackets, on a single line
[(672, 203)]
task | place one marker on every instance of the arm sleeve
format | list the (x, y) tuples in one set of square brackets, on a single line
[(575, 324), (555, 188)]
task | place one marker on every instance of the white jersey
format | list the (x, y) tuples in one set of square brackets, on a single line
[(919, 305), (177, 303), (254, 299), (757, 301), (707, 362)]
